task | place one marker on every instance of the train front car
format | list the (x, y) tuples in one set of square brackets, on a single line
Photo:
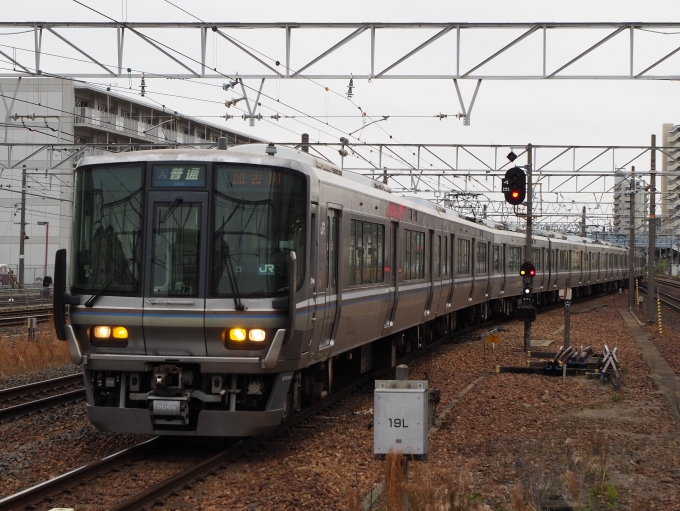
[(181, 271)]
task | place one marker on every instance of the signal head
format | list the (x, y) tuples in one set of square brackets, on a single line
[(515, 186), (527, 270)]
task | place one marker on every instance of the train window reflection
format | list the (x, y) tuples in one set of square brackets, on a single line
[(176, 228), (107, 229), (259, 217)]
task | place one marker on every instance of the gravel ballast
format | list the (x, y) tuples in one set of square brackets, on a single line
[(505, 427)]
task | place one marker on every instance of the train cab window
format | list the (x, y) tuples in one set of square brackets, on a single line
[(259, 217), (481, 258), (576, 259), (514, 259), (536, 258), (366, 252), (414, 255), (463, 257), (497, 266), (107, 228), (175, 242), (437, 256)]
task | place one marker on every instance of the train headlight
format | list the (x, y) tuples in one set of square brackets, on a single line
[(102, 332), (120, 332), (256, 334), (237, 334)]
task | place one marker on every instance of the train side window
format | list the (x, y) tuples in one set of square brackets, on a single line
[(463, 257), (380, 257), (481, 258), (414, 255), (536, 258), (576, 260), (366, 252), (437, 256), (564, 260), (445, 259), (514, 259), (496, 259)]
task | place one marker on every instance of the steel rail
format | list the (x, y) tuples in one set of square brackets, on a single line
[(41, 386), (41, 404), (70, 479), (21, 320), (156, 493), (667, 299)]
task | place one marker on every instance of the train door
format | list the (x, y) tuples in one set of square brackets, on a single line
[(504, 258), (451, 260), (392, 277), (320, 276), (473, 267), (332, 305), (549, 266), (174, 290), (431, 264)]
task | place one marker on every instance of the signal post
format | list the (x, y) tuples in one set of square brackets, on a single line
[(517, 186)]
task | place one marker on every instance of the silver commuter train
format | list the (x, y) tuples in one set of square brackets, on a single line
[(185, 264)]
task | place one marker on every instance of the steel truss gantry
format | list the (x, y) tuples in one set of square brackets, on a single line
[(459, 44), (466, 177)]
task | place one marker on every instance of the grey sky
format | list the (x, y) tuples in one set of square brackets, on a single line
[(509, 112)]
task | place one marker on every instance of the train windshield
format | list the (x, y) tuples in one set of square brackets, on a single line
[(259, 218), (107, 229)]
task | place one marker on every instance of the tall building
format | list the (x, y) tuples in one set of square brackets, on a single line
[(622, 203), (38, 112), (670, 184)]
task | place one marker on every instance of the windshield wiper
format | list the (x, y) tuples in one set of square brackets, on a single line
[(106, 285), (232, 281)]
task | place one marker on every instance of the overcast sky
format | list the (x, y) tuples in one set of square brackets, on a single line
[(584, 112)]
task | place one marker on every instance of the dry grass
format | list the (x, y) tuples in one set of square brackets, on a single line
[(586, 467), (425, 489), (18, 355)]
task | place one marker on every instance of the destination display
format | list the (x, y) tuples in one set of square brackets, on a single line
[(179, 175)]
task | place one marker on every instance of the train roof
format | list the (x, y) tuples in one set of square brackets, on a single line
[(263, 151)]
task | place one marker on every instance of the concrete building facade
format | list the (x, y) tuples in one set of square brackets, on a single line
[(39, 114), (622, 204), (670, 184)]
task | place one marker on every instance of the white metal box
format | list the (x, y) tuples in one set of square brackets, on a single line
[(400, 418)]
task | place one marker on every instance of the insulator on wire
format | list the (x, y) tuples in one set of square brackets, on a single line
[(143, 85)]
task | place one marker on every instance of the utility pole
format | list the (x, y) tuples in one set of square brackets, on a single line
[(22, 227), (631, 243), (583, 223), (651, 256), (305, 143), (527, 248)]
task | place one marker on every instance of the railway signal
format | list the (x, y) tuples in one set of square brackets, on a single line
[(528, 272), (515, 186)]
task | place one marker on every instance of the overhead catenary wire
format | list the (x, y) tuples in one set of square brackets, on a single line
[(195, 81)]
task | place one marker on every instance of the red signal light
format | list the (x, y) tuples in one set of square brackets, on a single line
[(532, 273)]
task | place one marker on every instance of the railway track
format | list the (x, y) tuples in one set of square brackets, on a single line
[(183, 479), (68, 389), (667, 299), (18, 317)]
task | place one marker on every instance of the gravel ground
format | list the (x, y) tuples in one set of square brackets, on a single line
[(668, 342), (507, 428), (507, 423)]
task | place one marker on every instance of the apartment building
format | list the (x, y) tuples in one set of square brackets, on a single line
[(41, 113)]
